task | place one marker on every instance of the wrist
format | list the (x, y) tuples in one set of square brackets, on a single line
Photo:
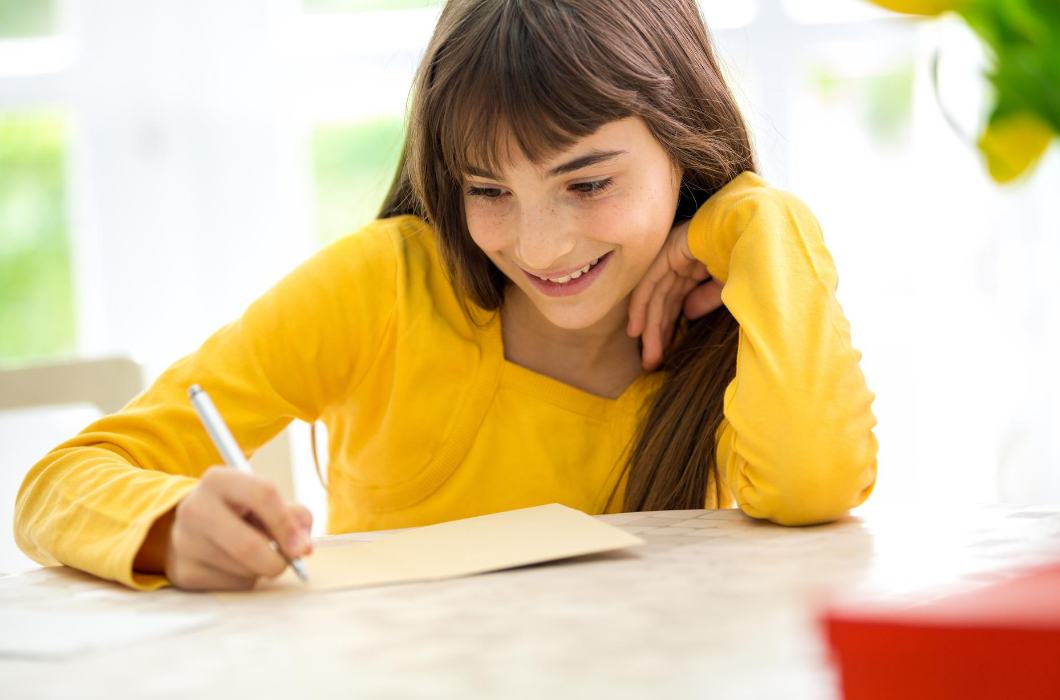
[(682, 240), (151, 558)]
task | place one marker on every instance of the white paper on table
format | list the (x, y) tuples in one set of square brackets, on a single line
[(43, 634), (454, 548)]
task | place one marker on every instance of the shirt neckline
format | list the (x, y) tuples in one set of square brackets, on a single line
[(560, 393)]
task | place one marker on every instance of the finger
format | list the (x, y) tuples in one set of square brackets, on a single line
[(246, 544), (303, 515), (673, 313), (638, 302), (191, 541), (688, 284), (305, 519), (214, 555), (638, 305), (668, 315), (263, 499), (700, 273), (195, 575), (653, 324), (703, 299), (674, 308)]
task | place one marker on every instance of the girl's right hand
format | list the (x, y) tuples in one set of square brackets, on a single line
[(211, 546)]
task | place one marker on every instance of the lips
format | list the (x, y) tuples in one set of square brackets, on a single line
[(574, 286), (556, 276)]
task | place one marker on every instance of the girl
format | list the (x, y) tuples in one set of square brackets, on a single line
[(577, 291)]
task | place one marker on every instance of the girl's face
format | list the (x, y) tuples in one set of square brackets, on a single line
[(610, 198)]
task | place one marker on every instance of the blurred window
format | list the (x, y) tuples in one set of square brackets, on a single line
[(833, 11), (353, 166), (36, 298), (20, 19), (365, 5)]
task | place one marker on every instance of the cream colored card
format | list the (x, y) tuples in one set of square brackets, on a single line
[(456, 548)]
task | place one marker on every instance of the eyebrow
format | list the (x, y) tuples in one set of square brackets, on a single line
[(578, 163)]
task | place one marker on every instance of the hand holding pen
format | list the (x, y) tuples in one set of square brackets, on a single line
[(234, 526)]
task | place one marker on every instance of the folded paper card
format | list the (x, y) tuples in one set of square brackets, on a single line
[(455, 548)]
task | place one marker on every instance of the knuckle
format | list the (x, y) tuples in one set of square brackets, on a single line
[(182, 576), (175, 573), (187, 510), (197, 580), (212, 474), (178, 538), (267, 493), (246, 551), (274, 567), (182, 507), (237, 583)]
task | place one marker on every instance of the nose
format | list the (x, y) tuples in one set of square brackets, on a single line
[(543, 239)]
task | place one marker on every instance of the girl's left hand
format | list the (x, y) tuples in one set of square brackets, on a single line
[(675, 282)]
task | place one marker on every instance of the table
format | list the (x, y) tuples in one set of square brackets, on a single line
[(713, 604)]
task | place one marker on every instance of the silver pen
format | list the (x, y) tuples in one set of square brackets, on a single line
[(233, 456)]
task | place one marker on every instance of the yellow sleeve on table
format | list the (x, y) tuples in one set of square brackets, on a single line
[(802, 450), (90, 502)]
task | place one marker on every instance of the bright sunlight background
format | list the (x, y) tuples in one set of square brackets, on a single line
[(163, 163)]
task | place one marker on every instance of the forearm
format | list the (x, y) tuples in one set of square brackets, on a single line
[(802, 448)]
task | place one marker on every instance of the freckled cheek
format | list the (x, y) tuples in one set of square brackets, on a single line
[(626, 228), (491, 233)]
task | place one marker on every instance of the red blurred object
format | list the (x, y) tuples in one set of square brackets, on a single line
[(999, 641)]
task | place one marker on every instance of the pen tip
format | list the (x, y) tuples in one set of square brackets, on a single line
[(299, 568), (193, 390)]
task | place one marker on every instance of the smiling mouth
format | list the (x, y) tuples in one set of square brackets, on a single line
[(572, 284), (572, 276)]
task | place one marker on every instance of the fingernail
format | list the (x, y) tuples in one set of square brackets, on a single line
[(296, 543)]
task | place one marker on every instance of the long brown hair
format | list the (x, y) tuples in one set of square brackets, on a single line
[(546, 73)]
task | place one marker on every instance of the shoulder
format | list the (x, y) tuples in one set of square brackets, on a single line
[(383, 252), (400, 256), (380, 242)]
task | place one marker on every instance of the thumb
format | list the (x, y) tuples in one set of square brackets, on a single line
[(703, 299)]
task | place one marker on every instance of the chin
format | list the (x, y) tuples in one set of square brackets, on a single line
[(575, 316)]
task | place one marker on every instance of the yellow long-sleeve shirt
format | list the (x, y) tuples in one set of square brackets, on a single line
[(428, 421)]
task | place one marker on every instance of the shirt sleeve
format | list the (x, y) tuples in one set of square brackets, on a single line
[(90, 502), (801, 449)]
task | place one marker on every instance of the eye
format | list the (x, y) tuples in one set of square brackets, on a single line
[(592, 189), (487, 193)]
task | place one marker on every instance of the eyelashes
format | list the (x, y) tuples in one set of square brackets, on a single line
[(591, 191), (595, 187)]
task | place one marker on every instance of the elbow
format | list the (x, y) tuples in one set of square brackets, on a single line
[(827, 497), (812, 492), (27, 516)]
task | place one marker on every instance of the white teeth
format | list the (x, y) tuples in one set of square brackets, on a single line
[(572, 276)]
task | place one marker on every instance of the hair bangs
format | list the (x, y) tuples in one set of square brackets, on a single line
[(534, 88)]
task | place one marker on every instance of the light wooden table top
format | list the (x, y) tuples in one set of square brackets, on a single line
[(714, 604)]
